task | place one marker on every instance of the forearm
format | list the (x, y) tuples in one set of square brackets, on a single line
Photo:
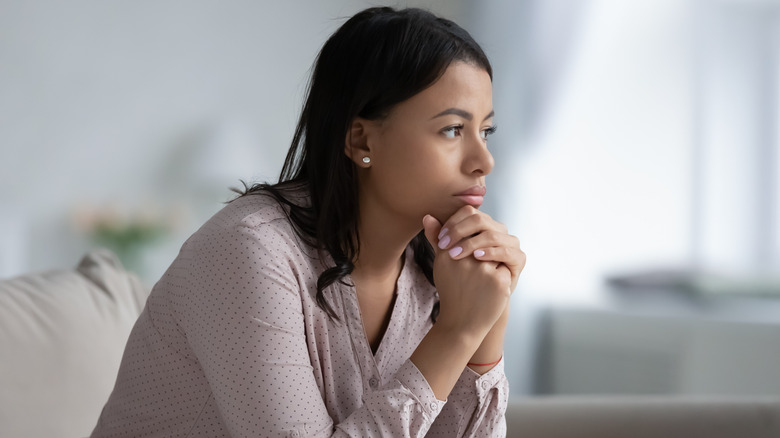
[(492, 346), (477, 403), (442, 355)]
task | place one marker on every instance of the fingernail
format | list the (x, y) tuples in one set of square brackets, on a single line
[(444, 242), (455, 251), (479, 253), (443, 232)]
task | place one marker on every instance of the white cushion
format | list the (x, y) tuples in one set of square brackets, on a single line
[(62, 334)]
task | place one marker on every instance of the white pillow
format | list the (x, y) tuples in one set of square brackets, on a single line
[(62, 334)]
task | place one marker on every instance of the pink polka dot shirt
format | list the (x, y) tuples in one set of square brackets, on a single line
[(231, 343)]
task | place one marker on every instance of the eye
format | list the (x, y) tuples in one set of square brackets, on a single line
[(452, 131), (488, 132)]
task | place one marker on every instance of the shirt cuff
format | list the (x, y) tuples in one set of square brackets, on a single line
[(413, 380), (471, 382)]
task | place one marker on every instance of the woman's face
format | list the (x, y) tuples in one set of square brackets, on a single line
[(430, 155)]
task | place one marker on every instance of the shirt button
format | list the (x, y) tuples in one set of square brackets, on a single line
[(485, 385), (294, 434), (434, 407), (373, 382)]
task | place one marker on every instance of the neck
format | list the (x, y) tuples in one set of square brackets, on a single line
[(383, 240)]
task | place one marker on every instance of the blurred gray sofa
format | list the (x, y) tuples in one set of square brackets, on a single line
[(644, 417), (62, 334)]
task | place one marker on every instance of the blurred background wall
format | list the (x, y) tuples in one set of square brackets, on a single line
[(637, 148), (147, 109)]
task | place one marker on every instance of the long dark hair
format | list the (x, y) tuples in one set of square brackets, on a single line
[(377, 59)]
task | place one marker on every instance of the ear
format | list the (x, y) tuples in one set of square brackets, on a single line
[(356, 144)]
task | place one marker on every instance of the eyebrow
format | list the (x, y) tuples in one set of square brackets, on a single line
[(462, 113)]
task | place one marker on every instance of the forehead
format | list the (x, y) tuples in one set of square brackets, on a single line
[(463, 85)]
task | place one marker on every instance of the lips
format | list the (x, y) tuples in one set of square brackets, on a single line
[(474, 191), (473, 195)]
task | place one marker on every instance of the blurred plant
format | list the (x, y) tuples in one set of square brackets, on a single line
[(127, 231)]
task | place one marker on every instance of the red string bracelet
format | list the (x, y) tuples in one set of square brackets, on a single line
[(485, 364)]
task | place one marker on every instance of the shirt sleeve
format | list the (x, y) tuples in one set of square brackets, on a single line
[(245, 325), (476, 406), (406, 407)]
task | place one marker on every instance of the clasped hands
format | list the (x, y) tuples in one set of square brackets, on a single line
[(476, 268)]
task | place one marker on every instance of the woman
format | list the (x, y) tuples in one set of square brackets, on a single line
[(307, 307)]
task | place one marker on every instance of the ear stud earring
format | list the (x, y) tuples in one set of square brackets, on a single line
[(366, 160)]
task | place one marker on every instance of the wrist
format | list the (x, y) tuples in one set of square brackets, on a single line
[(457, 334), (480, 365), (490, 350), (442, 355), (489, 364), (465, 333)]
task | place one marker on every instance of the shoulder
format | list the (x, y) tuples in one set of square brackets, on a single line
[(250, 210), (252, 220)]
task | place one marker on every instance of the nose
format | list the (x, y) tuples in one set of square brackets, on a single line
[(478, 160)]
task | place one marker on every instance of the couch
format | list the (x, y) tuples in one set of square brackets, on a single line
[(62, 334), (644, 417)]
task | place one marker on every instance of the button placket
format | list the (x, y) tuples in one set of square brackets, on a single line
[(361, 348)]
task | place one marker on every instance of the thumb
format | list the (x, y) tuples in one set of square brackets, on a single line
[(432, 226)]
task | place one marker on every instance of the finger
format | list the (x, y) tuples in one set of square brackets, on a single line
[(468, 211), (513, 258), (500, 272), (468, 227), (459, 215), (486, 239), (432, 228)]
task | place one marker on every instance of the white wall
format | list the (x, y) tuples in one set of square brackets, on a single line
[(601, 165), (738, 82), (645, 137), (104, 102)]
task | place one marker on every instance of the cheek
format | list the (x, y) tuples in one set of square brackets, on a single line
[(426, 188), (421, 169), (404, 160), (415, 177)]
